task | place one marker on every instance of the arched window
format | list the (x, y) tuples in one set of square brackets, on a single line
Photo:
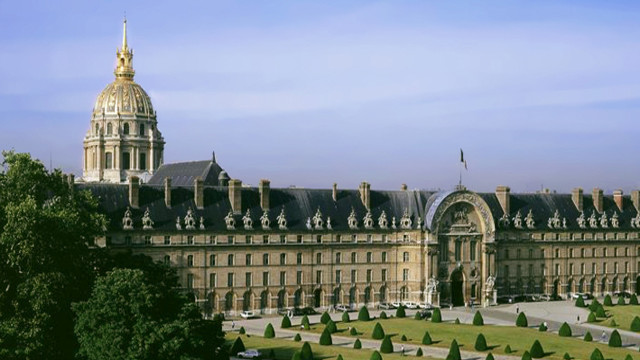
[(109, 129), (97, 129), (125, 129), (141, 130)]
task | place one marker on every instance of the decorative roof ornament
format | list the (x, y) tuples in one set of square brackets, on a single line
[(383, 223), (531, 223), (178, 224), (593, 221), (419, 222), (555, 222), (246, 220), (635, 222), (405, 221), (352, 220), (368, 220), (264, 220), (582, 221), (127, 222), (189, 221), (329, 223), (615, 221), (393, 222), (201, 226), (318, 223), (309, 226), (504, 222), (230, 221), (564, 222), (282, 220), (517, 220), (147, 223), (604, 220)]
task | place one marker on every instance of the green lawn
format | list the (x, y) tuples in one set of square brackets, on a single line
[(520, 339), (622, 314), (284, 349)]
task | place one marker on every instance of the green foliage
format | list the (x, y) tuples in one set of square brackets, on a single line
[(600, 311), (297, 338), (596, 355), (400, 313), (507, 349), (386, 347), (237, 347), (419, 352), (566, 356), (296, 355), (331, 327), (477, 319), (403, 337), (353, 331), (613, 323), (588, 337), (456, 321), (594, 305), (378, 332), (621, 301), (489, 357), (324, 319), (592, 317), (345, 317), (521, 321), (580, 302), (628, 357), (242, 331), (481, 343), (635, 324), (536, 350), (615, 340), (363, 314), (526, 356), (454, 351), (383, 316), (565, 330), (607, 300), (271, 355), (269, 332), (305, 322), (426, 339), (417, 316), (542, 327), (339, 357), (633, 300), (375, 356), (325, 338), (357, 344), (436, 317), (286, 322), (306, 353)]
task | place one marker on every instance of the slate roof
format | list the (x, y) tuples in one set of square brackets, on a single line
[(184, 173)]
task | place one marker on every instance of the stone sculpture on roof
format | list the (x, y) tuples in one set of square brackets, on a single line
[(352, 220), (615, 221), (247, 221), (582, 221), (230, 221), (604, 221), (593, 221), (264, 220), (201, 226), (635, 222), (555, 222), (517, 220), (189, 221), (368, 220), (127, 222), (178, 224), (405, 221), (531, 223), (282, 220), (504, 222), (318, 223), (147, 223), (382, 220)]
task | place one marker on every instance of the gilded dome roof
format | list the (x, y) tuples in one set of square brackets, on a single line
[(124, 97)]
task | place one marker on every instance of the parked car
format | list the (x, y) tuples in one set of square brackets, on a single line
[(575, 296), (304, 311), (504, 300), (248, 314), (249, 354), (426, 306), (410, 304), (544, 297), (395, 304), (341, 307), (425, 314), (555, 297), (385, 305), (623, 294)]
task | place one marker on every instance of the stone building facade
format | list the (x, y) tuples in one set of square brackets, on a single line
[(238, 247)]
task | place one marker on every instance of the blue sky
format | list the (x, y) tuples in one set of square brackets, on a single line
[(307, 93)]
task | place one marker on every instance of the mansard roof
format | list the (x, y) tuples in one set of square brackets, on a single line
[(184, 173)]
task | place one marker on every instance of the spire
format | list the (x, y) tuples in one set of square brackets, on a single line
[(124, 34), (124, 67)]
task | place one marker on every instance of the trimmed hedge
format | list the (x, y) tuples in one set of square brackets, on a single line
[(594, 305), (596, 355), (237, 347), (297, 338), (489, 357), (325, 338), (628, 357), (615, 340), (386, 347), (325, 318), (426, 339), (507, 349), (306, 352), (400, 313), (633, 300), (526, 356), (635, 324), (566, 356), (608, 301), (403, 338), (565, 330), (436, 317), (621, 301), (600, 312), (353, 331), (269, 332), (375, 356), (383, 316), (481, 343), (339, 357), (580, 302), (477, 319), (536, 350), (271, 354), (286, 322), (588, 337), (417, 316), (357, 344), (331, 327), (242, 331), (521, 321), (592, 317), (542, 327), (296, 355), (378, 332), (613, 323), (345, 317), (419, 352), (456, 321), (363, 314), (305, 322), (454, 351)]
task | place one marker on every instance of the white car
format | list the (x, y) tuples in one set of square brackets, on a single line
[(248, 314), (426, 306), (410, 304), (249, 354), (385, 305), (395, 304), (342, 308), (575, 296)]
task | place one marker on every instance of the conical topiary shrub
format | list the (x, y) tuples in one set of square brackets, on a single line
[(325, 318), (566, 356), (417, 316), (305, 322), (237, 347), (594, 305), (477, 319), (325, 338), (419, 352), (357, 344), (454, 351), (377, 333), (565, 330), (628, 357), (286, 322), (635, 324), (269, 332), (542, 327), (580, 302), (596, 355), (607, 300), (353, 331), (363, 314), (526, 356), (615, 340), (621, 301), (297, 338), (386, 347), (600, 312), (489, 357), (400, 313), (481, 343), (456, 321), (592, 317), (306, 352), (536, 350), (345, 317), (339, 357), (242, 331), (331, 327), (633, 300), (521, 321), (375, 356), (426, 339), (588, 337), (436, 317), (613, 323), (403, 338), (296, 355), (507, 349), (383, 316)]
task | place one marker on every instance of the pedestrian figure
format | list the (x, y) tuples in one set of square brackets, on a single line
[(603, 338), (450, 306), (233, 324), (517, 309), (402, 350), (578, 318)]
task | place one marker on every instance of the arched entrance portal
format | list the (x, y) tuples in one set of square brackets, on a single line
[(457, 288)]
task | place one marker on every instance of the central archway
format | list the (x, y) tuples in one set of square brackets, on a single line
[(457, 288)]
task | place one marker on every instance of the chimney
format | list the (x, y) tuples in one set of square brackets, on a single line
[(635, 199), (264, 187), (576, 196), (134, 190), (334, 194), (235, 195), (617, 197), (167, 192), (403, 187), (198, 192), (502, 193), (365, 194), (598, 200)]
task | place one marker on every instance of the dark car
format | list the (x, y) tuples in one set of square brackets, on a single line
[(505, 300), (623, 294), (304, 311), (424, 314)]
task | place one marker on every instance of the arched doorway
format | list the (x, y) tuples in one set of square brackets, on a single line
[(604, 288), (556, 285), (592, 286), (367, 295), (264, 301), (638, 285), (337, 296), (282, 299), (247, 301), (317, 298), (625, 284), (228, 301), (457, 288), (581, 286), (353, 297), (404, 293), (383, 294), (297, 298)]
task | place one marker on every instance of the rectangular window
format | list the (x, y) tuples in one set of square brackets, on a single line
[(319, 258), (518, 254), (167, 260), (506, 270), (167, 240), (299, 258), (283, 239), (212, 239), (283, 259), (582, 269), (190, 260), (248, 239), (543, 270), (615, 268), (247, 279), (604, 252), (338, 238), (318, 277), (530, 253), (384, 238), (472, 251), (190, 239), (405, 256), (230, 280), (369, 257), (127, 240), (369, 238), (557, 253), (354, 238), (354, 258), (570, 269), (319, 239), (557, 270), (369, 275), (143, 161), (213, 280), (265, 278), (265, 239), (594, 268), (405, 274), (248, 259), (338, 276), (519, 270), (265, 259), (384, 275), (354, 276), (530, 270), (299, 278), (604, 268), (299, 239), (230, 259), (190, 281), (212, 260), (506, 253), (384, 256), (405, 238), (571, 253), (230, 239), (147, 240), (338, 258), (458, 252), (283, 278)]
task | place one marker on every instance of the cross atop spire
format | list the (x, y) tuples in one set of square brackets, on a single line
[(124, 67)]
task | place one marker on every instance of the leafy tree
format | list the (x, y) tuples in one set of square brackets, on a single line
[(377, 333), (325, 338), (580, 302), (237, 347), (306, 353), (331, 327), (436, 317), (635, 324), (269, 331), (607, 300), (297, 338), (526, 356), (357, 344), (305, 322), (592, 317), (345, 317), (521, 321), (565, 330), (375, 356), (477, 319), (536, 350), (588, 337), (481, 343), (400, 313), (615, 340), (426, 339), (507, 349), (363, 314), (324, 319), (596, 355), (129, 317), (286, 322), (633, 300), (386, 347), (353, 331), (454, 351), (419, 352), (621, 301), (383, 316)]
